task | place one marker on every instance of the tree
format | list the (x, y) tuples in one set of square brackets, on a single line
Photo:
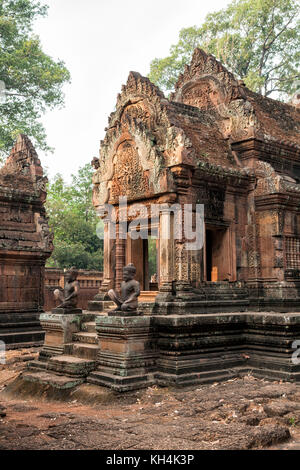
[(74, 222), (257, 40), (33, 81)]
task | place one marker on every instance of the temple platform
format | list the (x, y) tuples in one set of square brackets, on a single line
[(21, 330), (128, 353)]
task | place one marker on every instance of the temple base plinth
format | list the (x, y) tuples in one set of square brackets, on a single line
[(127, 358)]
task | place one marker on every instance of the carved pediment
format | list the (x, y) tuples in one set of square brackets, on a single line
[(136, 111), (204, 93), (206, 84), (129, 177), (23, 168), (207, 67)]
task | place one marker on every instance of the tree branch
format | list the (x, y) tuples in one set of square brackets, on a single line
[(280, 32)]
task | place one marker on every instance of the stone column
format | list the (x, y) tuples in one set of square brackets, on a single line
[(183, 261), (166, 255), (108, 260)]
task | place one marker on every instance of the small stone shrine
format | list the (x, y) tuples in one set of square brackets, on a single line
[(25, 245)]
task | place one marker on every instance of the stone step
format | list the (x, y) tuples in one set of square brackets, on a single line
[(148, 296), (21, 345), (71, 365), (85, 350), (37, 365), (120, 383), (22, 338), (89, 327), (84, 337), (56, 381)]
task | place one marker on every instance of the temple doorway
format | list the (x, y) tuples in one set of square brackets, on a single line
[(218, 255), (143, 253), (153, 263)]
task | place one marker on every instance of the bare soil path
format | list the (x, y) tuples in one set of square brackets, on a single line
[(244, 413)]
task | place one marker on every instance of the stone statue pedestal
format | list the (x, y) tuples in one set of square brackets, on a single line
[(59, 328), (127, 358)]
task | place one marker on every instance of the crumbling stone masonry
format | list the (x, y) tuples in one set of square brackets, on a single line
[(25, 244)]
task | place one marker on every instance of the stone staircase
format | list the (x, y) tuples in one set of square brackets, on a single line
[(78, 359)]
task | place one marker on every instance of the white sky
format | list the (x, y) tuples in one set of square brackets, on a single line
[(101, 41)]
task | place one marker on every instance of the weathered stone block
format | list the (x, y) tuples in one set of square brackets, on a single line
[(127, 355), (71, 366), (59, 330)]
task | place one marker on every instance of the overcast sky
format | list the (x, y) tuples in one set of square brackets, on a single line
[(101, 41)]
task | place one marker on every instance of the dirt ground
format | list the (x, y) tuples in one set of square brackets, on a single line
[(244, 413)]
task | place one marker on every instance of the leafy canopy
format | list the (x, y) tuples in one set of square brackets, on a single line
[(33, 80), (73, 220), (257, 40)]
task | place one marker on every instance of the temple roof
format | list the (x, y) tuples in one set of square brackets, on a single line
[(201, 129), (277, 120), (207, 84), (142, 105), (209, 110), (149, 134), (22, 170)]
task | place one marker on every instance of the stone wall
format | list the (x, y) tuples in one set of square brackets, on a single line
[(89, 281)]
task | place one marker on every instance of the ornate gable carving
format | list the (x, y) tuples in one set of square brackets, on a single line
[(139, 100), (208, 85), (138, 111), (206, 71), (132, 155), (129, 177), (205, 93)]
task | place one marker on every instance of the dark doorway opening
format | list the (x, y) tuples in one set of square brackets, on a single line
[(144, 254), (218, 255), (209, 246)]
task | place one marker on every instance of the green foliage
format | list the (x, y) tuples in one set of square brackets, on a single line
[(152, 256), (257, 40), (33, 80), (292, 421), (73, 220)]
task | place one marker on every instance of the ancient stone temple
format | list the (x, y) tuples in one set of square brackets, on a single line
[(216, 143), (225, 306), (25, 244)]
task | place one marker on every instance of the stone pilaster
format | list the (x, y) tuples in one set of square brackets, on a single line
[(120, 258)]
